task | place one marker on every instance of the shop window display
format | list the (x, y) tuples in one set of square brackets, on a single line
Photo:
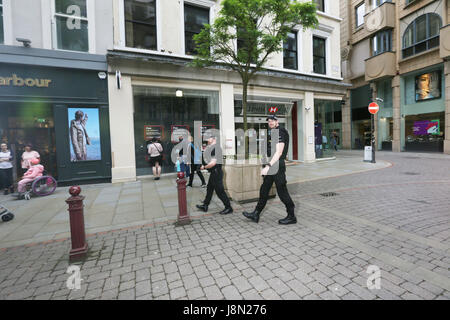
[(425, 132), (29, 123), (328, 127), (158, 113)]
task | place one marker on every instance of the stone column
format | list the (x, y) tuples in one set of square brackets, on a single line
[(346, 123), (122, 130), (226, 107), (447, 107), (396, 110), (307, 126)]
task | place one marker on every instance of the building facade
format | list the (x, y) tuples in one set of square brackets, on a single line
[(396, 53), (153, 92), (52, 66)]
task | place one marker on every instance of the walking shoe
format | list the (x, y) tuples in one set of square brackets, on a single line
[(202, 207), (189, 185), (203, 185), (254, 216), (290, 219), (227, 210)]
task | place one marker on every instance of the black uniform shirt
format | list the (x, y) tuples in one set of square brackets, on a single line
[(283, 137), (213, 156)]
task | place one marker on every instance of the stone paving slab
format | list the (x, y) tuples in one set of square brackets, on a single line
[(369, 222), (109, 207)]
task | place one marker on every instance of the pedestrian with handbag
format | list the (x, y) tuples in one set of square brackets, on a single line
[(155, 151)]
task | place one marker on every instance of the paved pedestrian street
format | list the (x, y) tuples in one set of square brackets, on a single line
[(393, 222)]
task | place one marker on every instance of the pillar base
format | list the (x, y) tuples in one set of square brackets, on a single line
[(79, 253), (447, 146), (396, 146), (183, 222)]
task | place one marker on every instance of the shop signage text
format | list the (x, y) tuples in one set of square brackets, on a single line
[(16, 81)]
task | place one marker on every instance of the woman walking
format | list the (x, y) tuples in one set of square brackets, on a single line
[(6, 168), (155, 151)]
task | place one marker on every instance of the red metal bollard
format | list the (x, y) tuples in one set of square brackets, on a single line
[(78, 234), (183, 214)]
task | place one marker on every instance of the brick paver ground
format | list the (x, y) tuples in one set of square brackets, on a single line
[(396, 218)]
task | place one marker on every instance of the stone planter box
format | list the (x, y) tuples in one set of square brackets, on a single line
[(242, 181)]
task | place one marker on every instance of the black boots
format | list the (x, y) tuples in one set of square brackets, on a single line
[(290, 219), (202, 207), (227, 210), (254, 216)]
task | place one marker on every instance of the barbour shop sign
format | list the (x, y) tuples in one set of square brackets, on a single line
[(17, 81)]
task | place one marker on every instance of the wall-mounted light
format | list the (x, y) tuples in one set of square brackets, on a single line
[(179, 93)]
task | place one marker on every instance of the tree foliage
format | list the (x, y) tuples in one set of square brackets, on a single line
[(247, 32)]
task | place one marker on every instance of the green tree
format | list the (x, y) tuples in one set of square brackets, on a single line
[(258, 28)]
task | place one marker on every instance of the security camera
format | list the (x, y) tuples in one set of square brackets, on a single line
[(26, 42), (307, 108), (379, 99)]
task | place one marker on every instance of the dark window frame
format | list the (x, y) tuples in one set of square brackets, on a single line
[(320, 5), (241, 43), (142, 23), (388, 34), (324, 58), (414, 48), (189, 34), (285, 50)]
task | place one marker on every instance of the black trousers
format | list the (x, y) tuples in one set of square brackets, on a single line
[(280, 182), (196, 168), (215, 183), (6, 179)]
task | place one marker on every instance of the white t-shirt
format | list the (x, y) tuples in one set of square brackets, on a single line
[(6, 164), (154, 149)]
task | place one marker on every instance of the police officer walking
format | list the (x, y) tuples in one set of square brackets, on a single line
[(275, 171), (215, 182)]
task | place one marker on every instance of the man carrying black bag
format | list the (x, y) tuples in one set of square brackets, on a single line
[(275, 171), (215, 182)]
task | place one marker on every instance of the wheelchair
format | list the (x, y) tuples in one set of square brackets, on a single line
[(42, 186)]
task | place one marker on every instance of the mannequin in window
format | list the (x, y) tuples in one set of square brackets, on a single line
[(79, 135), (424, 87)]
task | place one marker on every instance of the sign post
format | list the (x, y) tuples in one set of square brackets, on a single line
[(373, 109)]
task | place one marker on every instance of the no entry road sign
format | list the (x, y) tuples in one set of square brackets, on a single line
[(373, 108)]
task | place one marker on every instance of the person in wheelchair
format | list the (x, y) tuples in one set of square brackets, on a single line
[(36, 170)]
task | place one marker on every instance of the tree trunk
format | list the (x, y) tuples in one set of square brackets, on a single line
[(244, 109)]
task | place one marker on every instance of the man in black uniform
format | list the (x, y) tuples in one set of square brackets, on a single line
[(215, 181), (271, 175)]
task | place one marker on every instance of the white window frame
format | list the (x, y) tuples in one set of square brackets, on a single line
[(326, 36), (123, 40), (357, 26), (206, 4), (7, 23), (90, 11)]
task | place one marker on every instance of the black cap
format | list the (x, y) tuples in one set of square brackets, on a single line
[(272, 117)]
